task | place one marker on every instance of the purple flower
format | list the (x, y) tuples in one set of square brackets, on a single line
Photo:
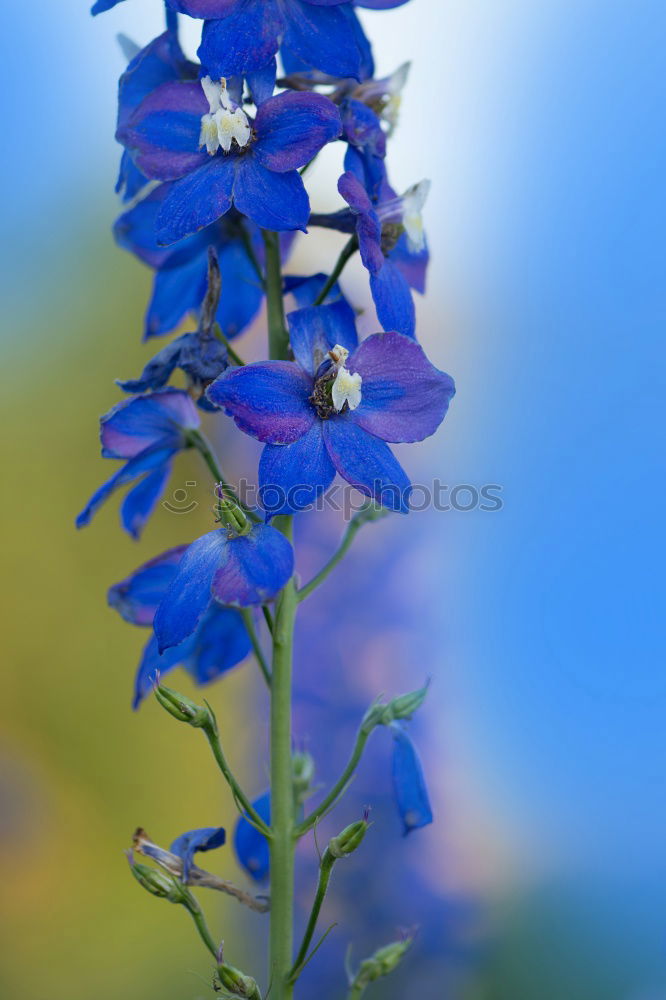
[(231, 569), (243, 36), (333, 409), (250, 845), (206, 839), (409, 787), (219, 642), (252, 164), (146, 432), (181, 270)]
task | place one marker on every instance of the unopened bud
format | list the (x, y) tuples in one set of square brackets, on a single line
[(237, 984), (303, 770), (158, 883), (351, 837), (228, 513), (183, 708), (383, 962), (404, 706)]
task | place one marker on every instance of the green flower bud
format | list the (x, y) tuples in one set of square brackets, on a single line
[(303, 770), (351, 837), (404, 706), (228, 513), (183, 708), (382, 963), (158, 883), (237, 984)]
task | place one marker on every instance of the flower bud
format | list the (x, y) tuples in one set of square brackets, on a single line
[(351, 837), (404, 706), (158, 883), (237, 984), (228, 513), (303, 769), (183, 708), (383, 962)]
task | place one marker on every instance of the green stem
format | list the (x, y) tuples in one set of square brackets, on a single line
[(349, 536), (200, 442), (239, 795), (278, 335), (254, 260), (202, 927), (348, 251), (268, 617), (282, 796), (236, 358), (359, 746), (325, 869), (256, 645), (357, 990)]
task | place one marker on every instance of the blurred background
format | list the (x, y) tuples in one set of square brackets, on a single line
[(541, 624)]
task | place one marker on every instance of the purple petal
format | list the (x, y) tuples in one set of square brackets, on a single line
[(197, 200), (145, 421), (275, 201), (206, 8), (269, 400), (189, 595), (313, 331), (368, 226), (292, 476), (163, 133), (292, 127), (367, 463), (159, 62), (136, 598), (256, 567), (404, 397)]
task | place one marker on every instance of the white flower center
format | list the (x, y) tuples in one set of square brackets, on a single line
[(347, 385), (225, 121), (393, 95)]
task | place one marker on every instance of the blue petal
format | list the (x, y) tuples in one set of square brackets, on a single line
[(262, 82), (197, 200), (409, 786), (243, 42), (292, 127), (158, 371), (322, 38), (268, 399), (367, 463), (134, 230), (157, 420), (221, 642), (393, 300), (178, 289), (292, 476), (140, 502), (189, 595), (130, 179), (307, 290), (188, 844), (102, 5), (276, 201), (250, 845), (411, 264), (154, 666), (159, 62), (254, 569), (315, 330), (241, 292), (137, 598), (146, 461)]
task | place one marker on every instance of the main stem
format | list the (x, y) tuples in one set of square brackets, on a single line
[(282, 841)]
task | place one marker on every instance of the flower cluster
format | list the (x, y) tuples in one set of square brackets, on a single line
[(212, 176)]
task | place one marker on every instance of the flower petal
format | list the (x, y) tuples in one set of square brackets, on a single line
[(163, 132), (367, 463), (292, 127), (404, 397), (188, 844), (189, 594), (207, 8), (158, 370), (154, 665), (250, 845), (269, 400), (255, 568), (412, 265), (197, 200), (158, 419), (221, 642), (242, 42), (313, 331), (292, 476), (393, 299), (321, 37), (146, 461), (136, 598), (409, 787), (275, 201), (140, 502)]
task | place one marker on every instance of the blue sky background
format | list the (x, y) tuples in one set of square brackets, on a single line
[(542, 129)]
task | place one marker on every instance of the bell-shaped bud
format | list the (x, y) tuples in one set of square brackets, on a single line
[(159, 883), (184, 709), (404, 706), (349, 840), (236, 984), (382, 963)]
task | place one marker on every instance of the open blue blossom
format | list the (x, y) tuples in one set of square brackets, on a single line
[(188, 844), (146, 432), (391, 241), (250, 845), (231, 569), (196, 135), (409, 786), (219, 642), (181, 270), (242, 36), (334, 408)]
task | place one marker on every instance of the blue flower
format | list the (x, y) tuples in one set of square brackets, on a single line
[(161, 61), (146, 432), (181, 270), (391, 241), (219, 642), (238, 570), (242, 36), (250, 845), (206, 839), (252, 164), (409, 786), (202, 358), (333, 409)]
